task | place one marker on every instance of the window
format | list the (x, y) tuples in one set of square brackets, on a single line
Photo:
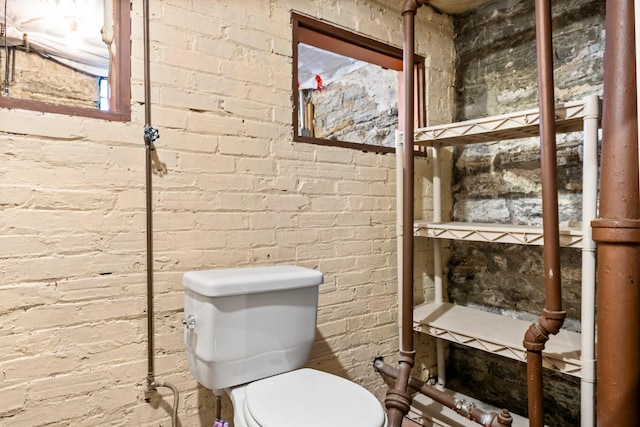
[(67, 57), (346, 87)]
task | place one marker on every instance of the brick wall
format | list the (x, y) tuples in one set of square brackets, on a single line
[(232, 190)]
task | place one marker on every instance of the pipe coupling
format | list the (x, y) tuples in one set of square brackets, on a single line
[(464, 408), (398, 399), (407, 357)]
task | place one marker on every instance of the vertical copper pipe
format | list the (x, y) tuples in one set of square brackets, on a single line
[(553, 292), (398, 400), (552, 316), (151, 388), (617, 230)]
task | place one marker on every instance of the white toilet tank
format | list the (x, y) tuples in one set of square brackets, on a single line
[(245, 324)]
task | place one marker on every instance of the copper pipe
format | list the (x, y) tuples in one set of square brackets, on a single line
[(462, 407), (398, 400), (552, 316), (617, 230), (151, 387)]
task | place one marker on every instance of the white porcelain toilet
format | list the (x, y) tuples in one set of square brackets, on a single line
[(248, 331)]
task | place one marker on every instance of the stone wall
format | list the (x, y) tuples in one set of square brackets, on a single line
[(361, 106), (233, 190), (41, 79), (500, 182)]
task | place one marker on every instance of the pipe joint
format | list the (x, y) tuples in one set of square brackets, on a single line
[(398, 399), (535, 338), (411, 6), (621, 230), (552, 321), (549, 323), (464, 408), (407, 357)]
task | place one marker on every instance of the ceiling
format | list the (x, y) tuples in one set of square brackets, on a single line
[(455, 6)]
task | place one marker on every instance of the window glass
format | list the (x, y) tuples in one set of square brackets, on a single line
[(346, 87), (60, 56)]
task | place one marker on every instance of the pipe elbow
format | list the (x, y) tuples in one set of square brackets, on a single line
[(549, 323), (552, 321), (411, 6)]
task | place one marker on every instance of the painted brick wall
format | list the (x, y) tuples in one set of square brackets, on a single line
[(232, 189)]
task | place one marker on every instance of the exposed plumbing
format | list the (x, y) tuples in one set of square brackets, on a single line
[(460, 406), (398, 400), (150, 135), (553, 316), (617, 230)]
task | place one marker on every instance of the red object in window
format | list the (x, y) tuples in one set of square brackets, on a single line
[(319, 85)]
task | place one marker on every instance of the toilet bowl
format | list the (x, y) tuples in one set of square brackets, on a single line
[(249, 331), (305, 398)]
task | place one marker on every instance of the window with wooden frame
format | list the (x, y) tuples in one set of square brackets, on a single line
[(346, 87), (55, 57)]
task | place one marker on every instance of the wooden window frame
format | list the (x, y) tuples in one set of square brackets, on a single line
[(119, 79), (326, 36)]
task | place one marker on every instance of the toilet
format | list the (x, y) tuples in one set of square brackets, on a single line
[(249, 331)]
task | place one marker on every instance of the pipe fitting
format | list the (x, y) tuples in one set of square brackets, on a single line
[(411, 6), (537, 335), (407, 357), (552, 321), (503, 418), (464, 408), (398, 399)]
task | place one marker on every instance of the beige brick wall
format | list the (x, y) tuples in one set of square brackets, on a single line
[(236, 191)]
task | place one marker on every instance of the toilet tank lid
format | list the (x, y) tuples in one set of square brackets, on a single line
[(250, 280)]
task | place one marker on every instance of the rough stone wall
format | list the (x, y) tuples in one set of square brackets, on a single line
[(362, 107), (41, 79), (234, 190), (500, 182)]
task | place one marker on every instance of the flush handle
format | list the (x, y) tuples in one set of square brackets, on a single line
[(189, 322)]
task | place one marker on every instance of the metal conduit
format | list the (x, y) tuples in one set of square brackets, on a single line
[(552, 317), (148, 142), (617, 230), (150, 135), (398, 400)]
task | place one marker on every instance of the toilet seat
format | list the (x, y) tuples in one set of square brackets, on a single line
[(310, 398)]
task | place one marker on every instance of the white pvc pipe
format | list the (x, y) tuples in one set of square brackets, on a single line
[(589, 212), (107, 28), (437, 260), (399, 213)]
